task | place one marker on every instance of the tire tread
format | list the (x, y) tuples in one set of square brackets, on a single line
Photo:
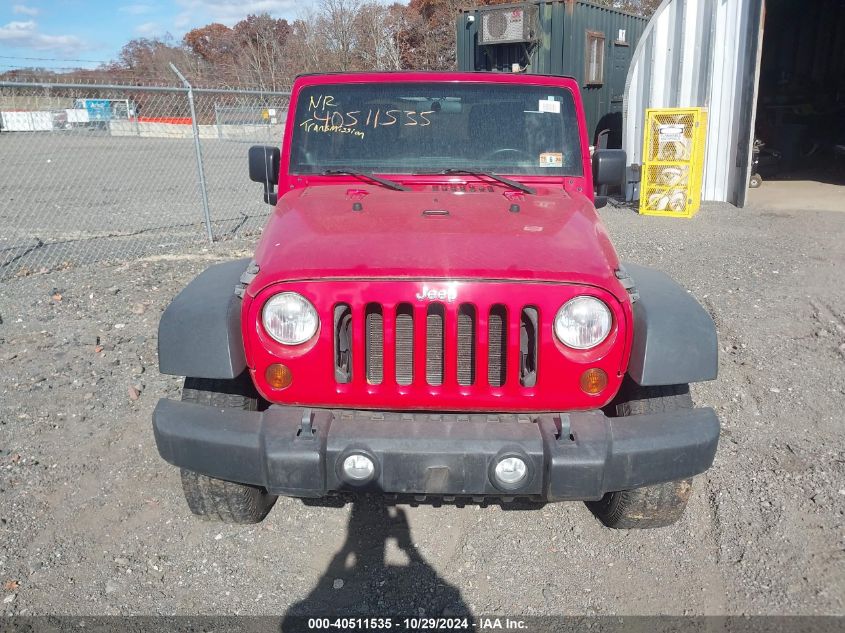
[(215, 499), (650, 506)]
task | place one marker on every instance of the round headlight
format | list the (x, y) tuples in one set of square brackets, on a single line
[(583, 322), (290, 318)]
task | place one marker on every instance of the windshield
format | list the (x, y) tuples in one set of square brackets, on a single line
[(404, 128)]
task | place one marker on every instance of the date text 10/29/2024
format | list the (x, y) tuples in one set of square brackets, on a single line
[(326, 115), (417, 624)]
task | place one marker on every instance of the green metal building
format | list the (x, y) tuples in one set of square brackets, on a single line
[(579, 39)]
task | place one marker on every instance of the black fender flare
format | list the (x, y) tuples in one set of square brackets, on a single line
[(675, 338), (199, 334)]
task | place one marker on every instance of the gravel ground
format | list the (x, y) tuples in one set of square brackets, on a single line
[(92, 521)]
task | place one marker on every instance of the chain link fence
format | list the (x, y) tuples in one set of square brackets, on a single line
[(95, 172)]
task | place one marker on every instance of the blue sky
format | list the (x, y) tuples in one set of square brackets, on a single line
[(95, 30)]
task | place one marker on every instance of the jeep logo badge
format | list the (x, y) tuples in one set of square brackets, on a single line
[(450, 293)]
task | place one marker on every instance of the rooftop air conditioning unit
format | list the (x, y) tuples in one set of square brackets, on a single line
[(512, 24)]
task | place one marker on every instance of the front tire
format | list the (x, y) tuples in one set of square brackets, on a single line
[(647, 507), (650, 506), (215, 499), (238, 393)]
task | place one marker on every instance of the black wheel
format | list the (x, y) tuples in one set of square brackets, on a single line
[(755, 181), (647, 507), (650, 506), (215, 499)]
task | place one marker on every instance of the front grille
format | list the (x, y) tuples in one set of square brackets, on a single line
[(439, 344), (466, 345), (434, 345), (375, 345), (497, 347), (404, 345)]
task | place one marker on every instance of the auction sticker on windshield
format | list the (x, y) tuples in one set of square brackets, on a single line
[(551, 159), (549, 105)]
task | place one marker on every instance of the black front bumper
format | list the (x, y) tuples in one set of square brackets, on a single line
[(297, 452)]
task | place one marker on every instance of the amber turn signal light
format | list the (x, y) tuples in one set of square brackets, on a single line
[(278, 376), (593, 381)]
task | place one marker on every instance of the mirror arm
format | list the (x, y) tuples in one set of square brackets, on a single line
[(270, 195)]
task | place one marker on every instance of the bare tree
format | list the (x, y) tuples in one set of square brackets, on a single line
[(378, 29), (335, 25), (306, 50), (261, 41), (150, 59), (645, 8)]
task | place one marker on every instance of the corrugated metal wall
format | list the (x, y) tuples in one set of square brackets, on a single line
[(561, 49), (701, 53)]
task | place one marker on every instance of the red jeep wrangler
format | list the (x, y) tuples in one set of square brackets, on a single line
[(435, 310)]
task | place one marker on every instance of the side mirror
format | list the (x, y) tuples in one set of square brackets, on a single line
[(264, 168), (609, 167)]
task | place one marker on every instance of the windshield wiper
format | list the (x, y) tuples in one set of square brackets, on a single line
[(390, 184), (480, 172)]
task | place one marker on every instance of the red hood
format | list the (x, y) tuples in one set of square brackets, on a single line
[(554, 236)]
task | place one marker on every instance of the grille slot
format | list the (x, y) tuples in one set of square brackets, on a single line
[(404, 344), (375, 344), (528, 345), (389, 335), (342, 343), (497, 325), (466, 344), (434, 345)]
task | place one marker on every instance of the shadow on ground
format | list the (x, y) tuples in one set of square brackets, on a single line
[(377, 571)]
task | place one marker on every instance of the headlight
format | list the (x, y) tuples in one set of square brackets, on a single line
[(289, 318), (583, 322)]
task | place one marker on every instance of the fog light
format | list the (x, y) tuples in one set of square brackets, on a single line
[(593, 381), (511, 471), (358, 468), (278, 376)]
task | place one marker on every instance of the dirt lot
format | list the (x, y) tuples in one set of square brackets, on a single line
[(92, 521)]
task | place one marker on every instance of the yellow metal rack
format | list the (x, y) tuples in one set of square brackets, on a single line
[(673, 161)]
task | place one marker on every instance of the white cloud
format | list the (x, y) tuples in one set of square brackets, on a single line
[(22, 9), (183, 21), (147, 28), (137, 9), (198, 12), (27, 35)]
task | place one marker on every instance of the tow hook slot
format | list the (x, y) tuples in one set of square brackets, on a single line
[(563, 424), (306, 426)]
